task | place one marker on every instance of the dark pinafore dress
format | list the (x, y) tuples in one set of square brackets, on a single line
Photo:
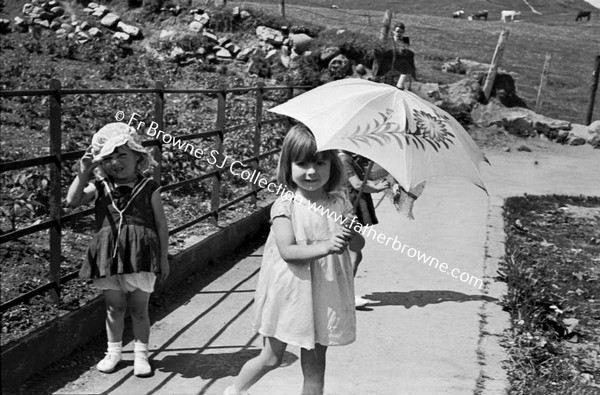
[(126, 240)]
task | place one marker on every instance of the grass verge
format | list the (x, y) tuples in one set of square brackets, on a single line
[(552, 271)]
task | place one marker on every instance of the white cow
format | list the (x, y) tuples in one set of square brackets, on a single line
[(509, 14), (458, 14)]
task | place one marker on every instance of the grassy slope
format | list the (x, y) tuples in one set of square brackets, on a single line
[(437, 38)]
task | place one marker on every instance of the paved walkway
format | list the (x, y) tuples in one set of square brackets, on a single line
[(431, 333)]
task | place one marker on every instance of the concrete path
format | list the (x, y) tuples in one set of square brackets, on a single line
[(431, 333)]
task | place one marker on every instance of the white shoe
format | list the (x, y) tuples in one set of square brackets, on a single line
[(109, 363), (141, 366)]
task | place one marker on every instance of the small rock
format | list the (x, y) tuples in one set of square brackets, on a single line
[(329, 53), (524, 148), (43, 23), (110, 20), (121, 36), (57, 11), (222, 53), (95, 32), (211, 37), (576, 141), (166, 35), (133, 31)]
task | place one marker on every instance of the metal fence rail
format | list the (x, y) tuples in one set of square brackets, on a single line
[(57, 221)]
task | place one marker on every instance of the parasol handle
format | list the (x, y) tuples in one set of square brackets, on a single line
[(362, 186)]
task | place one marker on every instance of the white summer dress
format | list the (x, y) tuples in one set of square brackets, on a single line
[(312, 302)]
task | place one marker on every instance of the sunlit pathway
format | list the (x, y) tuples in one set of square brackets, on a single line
[(426, 335)]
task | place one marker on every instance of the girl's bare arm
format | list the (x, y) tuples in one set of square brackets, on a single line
[(292, 252), (81, 192)]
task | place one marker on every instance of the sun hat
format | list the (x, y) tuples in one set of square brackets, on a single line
[(116, 134)]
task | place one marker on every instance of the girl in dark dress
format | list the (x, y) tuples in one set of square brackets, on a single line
[(365, 210), (129, 248)]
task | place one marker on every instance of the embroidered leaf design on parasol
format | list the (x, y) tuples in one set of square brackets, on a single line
[(430, 129), (378, 131)]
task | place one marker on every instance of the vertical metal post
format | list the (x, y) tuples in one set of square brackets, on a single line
[(55, 189), (489, 81), (159, 116), (545, 71), (218, 146), (257, 136), (593, 89)]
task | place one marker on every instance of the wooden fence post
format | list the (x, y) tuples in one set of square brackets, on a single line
[(289, 95), (257, 135), (489, 81), (218, 146), (159, 116), (593, 89), (282, 8), (385, 25), (545, 71), (55, 190)]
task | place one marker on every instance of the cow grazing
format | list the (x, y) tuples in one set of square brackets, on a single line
[(458, 14), (505, 15), (583, 14), (480, 15)]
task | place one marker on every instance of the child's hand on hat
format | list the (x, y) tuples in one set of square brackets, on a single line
[(87, 164)]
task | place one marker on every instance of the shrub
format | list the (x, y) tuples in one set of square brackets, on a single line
[(153, 6), (355, 46)]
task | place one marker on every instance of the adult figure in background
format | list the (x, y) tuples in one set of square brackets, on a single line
[(405, 64), (395, 59), (365, 209)]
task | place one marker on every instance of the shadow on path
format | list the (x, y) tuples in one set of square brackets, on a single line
[(82, 361), (212, 366), (422, 298)]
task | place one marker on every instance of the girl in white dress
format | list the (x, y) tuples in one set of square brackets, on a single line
[(305, 291)]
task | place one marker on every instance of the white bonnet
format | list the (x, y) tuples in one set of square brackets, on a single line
[(116, 134)]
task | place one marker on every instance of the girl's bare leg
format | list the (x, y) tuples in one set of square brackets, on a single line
[(313, 368), (138, 307), (269, 358), (355, 258), (116, 306)]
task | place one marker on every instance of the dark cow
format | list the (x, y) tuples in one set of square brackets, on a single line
[(480, 15), (583, 14)]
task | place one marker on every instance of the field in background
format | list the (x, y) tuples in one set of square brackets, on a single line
[(436, 38)]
